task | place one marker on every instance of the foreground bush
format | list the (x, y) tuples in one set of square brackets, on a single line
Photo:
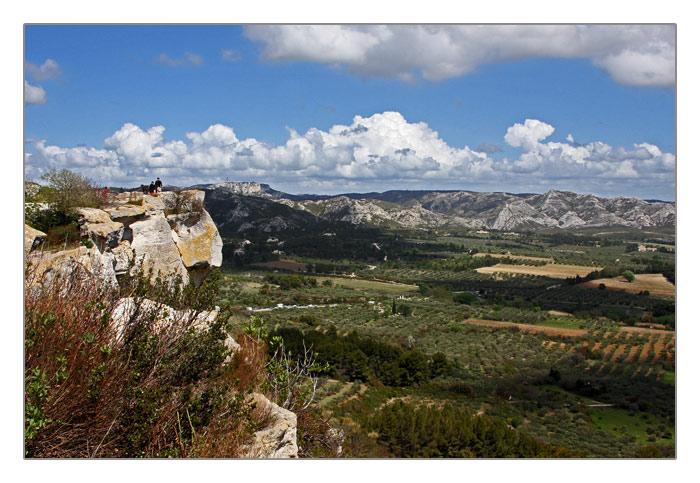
[(95, 388)]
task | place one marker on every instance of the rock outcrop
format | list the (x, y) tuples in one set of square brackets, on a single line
[(32, 238), (279, 437), (167, 234), (167, 316)]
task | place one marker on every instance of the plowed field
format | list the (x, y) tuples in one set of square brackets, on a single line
[(529, 328), (655, 283), (552, 270)]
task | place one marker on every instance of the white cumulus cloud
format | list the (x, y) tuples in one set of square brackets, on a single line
[(528, 135), (637, 55), (554, 160), (34, 94), (383, 151)]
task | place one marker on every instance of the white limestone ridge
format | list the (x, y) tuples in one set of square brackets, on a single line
[(168, 233)]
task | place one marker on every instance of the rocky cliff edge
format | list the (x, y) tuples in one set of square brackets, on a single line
[(168, 234)]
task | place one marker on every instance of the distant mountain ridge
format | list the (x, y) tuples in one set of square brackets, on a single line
[(255, 206)]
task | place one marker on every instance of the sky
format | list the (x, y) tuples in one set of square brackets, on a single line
[(356, 108)]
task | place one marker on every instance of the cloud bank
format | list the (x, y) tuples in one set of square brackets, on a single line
[(634, 55), (383, 150)]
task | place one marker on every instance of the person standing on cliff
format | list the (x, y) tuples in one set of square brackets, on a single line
[(151, 188), (159, 185)]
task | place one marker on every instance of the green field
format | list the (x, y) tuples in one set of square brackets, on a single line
[(541, 383), (643, 427)]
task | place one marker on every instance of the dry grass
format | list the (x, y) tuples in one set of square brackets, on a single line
[(249, 361), (371, 285), (552, 270), (515, 257), (655, 283), (529, 328), (644, 330), (559, 313), (289, 265)]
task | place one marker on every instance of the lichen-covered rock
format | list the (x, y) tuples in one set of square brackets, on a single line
[(169, 199), (129, 197), (197, 239), (190, 201), (153, 203), (165, 315), (32, 238), (93, 215), (155, 249), (279, 438), (46, 265), (103, 235), (127, 213), (123, 256), (102, 266), (185, 244)]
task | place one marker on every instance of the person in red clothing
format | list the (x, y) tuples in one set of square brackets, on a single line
[(105, 192)]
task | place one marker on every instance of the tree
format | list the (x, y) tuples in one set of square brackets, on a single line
[(467, 298), (69, 190), (440, 365), (404, 310), (629, 276)]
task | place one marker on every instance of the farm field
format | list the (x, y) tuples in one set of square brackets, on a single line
[(519, 257), (290, 265), (551, 270), (622, 423), (548, 330), (371, 285), (654, 283), (590, 371)]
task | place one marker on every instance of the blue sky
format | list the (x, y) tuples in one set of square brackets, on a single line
[(500, 108)]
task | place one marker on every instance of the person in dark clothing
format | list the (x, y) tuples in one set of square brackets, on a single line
[(159, 185), (151, 188), (144, 188)]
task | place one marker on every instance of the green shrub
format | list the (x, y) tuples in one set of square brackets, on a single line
[(69, 190)]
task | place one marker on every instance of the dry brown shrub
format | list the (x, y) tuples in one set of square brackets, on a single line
[(91, 383), (248, 364), (70, 347)]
